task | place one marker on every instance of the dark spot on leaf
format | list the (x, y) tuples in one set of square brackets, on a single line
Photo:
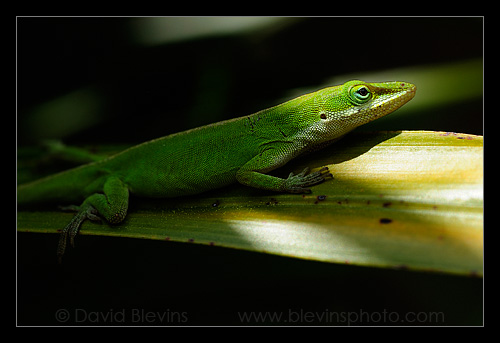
[(387, 204), (272, 202), (321, 197), (191, 240), (385, 220)]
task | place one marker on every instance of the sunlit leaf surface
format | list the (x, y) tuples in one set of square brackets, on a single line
[(409, 200)]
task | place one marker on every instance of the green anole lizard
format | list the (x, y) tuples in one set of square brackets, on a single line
[(237, 150)]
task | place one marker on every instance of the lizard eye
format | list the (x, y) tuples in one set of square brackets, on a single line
[(360, 94), (362, 91)]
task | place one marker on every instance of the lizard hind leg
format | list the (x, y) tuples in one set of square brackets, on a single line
[(112, 206)]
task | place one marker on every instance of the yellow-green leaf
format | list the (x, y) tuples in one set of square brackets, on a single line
[(411, 200)]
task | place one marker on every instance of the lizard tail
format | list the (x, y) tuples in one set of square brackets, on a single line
[(65, 187)]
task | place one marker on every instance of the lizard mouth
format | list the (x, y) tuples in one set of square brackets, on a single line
[(395, 100), (386, 103)]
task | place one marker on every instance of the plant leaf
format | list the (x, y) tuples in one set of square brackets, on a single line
[(410, 199)]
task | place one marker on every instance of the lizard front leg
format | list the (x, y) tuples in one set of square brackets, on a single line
[(112, 205), (252, 174)]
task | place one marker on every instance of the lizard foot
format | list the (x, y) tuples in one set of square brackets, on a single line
[(298, 183), (71, 230)]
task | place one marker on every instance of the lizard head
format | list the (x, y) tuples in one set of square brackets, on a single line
[(356, 103)]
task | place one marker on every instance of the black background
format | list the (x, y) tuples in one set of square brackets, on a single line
[(153, 91)]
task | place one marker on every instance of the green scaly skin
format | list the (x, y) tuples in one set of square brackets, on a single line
[(238, 150)]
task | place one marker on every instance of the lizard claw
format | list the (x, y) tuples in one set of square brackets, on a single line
[(298, 183), (71, 230)]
